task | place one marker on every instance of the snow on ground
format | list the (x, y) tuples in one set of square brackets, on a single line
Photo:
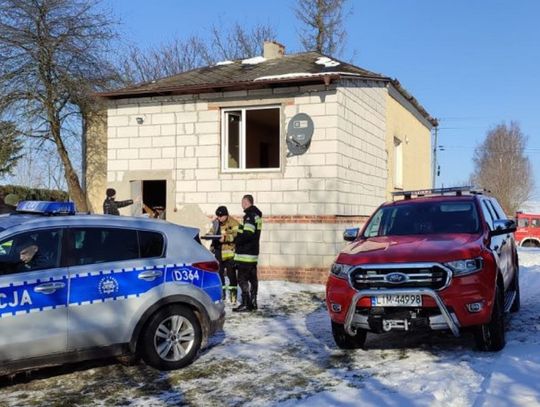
[(284, 355)]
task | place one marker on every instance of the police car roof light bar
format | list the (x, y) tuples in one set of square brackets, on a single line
[(458, 191), (47, 207)]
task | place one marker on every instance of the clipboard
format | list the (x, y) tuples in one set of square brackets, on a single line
[(211, 237)]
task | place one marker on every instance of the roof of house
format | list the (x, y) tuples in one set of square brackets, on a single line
[(302, 68)]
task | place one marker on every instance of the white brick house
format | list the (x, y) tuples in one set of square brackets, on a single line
[(206, 137)]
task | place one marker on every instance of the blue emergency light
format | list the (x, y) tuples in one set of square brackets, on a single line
[(47, 207)]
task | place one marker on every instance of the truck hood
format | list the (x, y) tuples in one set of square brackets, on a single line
[(410, 249)]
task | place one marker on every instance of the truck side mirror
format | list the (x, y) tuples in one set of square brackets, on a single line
[(503, 226), (350, 234)]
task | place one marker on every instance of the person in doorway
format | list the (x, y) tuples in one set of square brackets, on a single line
[(111, 205), (224, 250), (247, 254)]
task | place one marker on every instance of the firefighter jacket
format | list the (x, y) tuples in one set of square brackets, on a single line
[(110, 206), (249, 234), (224, 250)]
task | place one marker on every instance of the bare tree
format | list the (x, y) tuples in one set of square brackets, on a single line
[(10, 147), (167, 59), (238, 42), (502, 167), (53, 53), (322, 22), (180, 55)]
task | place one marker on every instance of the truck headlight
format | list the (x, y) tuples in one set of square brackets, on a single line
[(340, 270), (465, 267)]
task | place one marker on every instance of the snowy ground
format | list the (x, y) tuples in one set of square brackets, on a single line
[(284, 355)]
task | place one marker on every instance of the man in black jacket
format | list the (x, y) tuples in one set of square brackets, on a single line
[(111, 205), (247, 254)]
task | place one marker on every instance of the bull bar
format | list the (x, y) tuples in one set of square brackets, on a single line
[(453, 325)]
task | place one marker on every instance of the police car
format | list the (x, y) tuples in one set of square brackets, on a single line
[(76, 287)]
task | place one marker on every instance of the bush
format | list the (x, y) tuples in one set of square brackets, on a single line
[(33, 194)]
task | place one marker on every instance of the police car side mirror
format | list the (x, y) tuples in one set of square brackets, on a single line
[(350, 234), (503, 226)]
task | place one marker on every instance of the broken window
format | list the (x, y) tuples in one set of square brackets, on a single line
[(251, 138)]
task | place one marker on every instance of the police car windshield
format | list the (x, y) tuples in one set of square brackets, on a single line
[(424, 218)]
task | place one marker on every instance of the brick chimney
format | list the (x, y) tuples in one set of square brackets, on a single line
[(273, 50)]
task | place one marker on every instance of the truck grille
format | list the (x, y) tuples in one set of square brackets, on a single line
[(399, 276)]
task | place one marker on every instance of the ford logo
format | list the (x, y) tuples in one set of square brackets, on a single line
[(396, 278)]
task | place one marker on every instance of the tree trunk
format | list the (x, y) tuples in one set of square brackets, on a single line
[(74, 187)]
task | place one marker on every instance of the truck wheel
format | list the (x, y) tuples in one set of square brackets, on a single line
[(344, 340), (172, 338), (490, 337), (516, 305)]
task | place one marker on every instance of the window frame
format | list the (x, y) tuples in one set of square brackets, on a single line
[(242, 140)]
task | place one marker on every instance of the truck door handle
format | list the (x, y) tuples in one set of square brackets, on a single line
[(48, 288), (150, 275)]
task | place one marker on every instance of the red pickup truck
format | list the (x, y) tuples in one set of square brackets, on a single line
[(528, 229), (441, 259)]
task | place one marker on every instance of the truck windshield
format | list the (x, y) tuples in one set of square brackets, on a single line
[(424, 218)]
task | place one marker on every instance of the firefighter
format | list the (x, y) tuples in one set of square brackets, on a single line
[(247, 254), (223, 249)]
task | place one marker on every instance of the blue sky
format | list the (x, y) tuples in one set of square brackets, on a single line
[(472, 64)]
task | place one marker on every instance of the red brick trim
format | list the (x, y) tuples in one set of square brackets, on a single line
[(333, 219), (315, 219), (317, 275)]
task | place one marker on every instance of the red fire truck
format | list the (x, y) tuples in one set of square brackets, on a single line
[(528, 229)]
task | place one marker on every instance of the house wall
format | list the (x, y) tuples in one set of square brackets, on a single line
[(180, 140), (414, 132), (306, 204), (362, 159)]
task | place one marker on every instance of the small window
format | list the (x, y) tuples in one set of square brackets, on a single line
[(488, 215), (535, 223), (151, 244), (251, 139), (523, 222), (398, 163), (36, 250)]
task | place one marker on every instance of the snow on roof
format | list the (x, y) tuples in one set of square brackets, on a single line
[(254, 60), (302, 75), (327, 62), (224, 63)]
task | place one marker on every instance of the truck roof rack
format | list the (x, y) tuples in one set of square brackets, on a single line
[(458, 191)]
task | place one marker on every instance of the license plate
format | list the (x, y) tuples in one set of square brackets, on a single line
[(397, 300)]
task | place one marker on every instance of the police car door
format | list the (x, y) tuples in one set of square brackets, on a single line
[(33, 295), (108, 280)]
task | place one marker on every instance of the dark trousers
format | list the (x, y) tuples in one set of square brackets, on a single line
[(248, 281), (228, 268)]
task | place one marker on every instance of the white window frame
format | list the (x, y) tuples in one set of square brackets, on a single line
[(242, 140), (398, 163)]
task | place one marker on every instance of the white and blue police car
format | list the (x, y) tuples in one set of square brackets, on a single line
[(76, 287)]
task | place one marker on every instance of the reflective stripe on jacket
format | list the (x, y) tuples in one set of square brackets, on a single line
[(249, 235)]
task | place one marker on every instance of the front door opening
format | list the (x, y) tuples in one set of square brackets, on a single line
[(154, 197)]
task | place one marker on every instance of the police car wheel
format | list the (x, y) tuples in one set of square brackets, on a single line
[(172, 338)]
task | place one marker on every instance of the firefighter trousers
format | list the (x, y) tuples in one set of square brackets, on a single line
[(248, 281)]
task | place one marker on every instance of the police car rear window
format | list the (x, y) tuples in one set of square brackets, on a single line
[(100, 245)]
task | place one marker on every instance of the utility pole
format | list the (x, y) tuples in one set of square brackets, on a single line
[(434, 169)]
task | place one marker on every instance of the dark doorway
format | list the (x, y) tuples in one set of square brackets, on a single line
[(154, 195)]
